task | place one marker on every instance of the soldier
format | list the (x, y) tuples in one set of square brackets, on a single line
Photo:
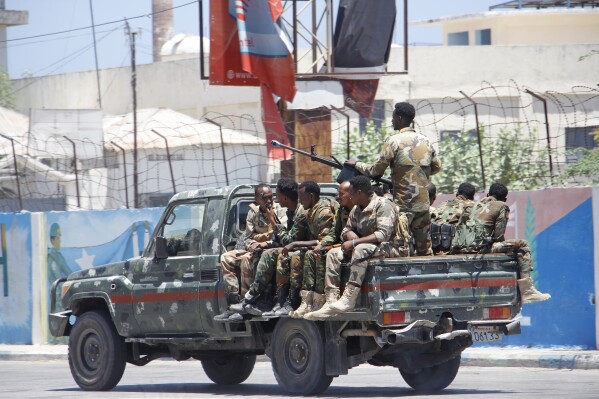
[(333, 238), (451, 210), (288, 199), (258, 235), (488, 220), (413, 160), (370, 232), (291, 265)]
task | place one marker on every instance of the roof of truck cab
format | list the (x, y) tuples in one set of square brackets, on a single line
[(242, 189)]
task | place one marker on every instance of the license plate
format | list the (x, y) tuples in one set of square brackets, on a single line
[(485, 334)]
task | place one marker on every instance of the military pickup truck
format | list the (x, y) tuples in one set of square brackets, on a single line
[(416, 314)]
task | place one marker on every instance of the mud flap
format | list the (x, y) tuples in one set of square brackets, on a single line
[(336, 362)]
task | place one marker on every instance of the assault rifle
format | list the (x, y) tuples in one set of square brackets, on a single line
[(346, 172)]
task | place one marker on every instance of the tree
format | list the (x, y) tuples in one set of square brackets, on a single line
[(587, 167), (511, 159), (6, 93)]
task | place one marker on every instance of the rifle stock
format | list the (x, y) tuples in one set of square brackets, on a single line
[(346, 172)]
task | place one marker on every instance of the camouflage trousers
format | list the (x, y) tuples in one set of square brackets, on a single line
[(233, 262), (314, 269), (520, 248), (265, 270), (420, 226), (290, 269)]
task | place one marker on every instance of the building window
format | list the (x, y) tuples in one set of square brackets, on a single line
[(378, 116), (482, 37), (457, 39), (577, 138)]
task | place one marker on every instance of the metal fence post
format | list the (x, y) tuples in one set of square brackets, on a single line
[(76, 172), (544, 101), (480, 147), (14, 155), (168, 157), (124, 172)]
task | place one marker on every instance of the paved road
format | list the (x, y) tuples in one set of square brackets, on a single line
[(169, 379)]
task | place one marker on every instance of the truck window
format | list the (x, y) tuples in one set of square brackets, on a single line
[(243, 208), (183, 229)]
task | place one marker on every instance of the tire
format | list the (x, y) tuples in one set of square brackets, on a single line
[(97, 354), (433, 378), (298, 357), (229, 369)]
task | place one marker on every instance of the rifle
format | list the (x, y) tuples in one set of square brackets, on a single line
[(346, 172)]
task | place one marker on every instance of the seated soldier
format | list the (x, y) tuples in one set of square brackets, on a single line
[(265, 270), (485, 229), (258, 235), (315, 224), (446, 216), (371, 231)]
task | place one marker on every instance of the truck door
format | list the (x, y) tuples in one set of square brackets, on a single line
[(166, 292)]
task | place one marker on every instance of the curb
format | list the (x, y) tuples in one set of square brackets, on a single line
[(478, 357)]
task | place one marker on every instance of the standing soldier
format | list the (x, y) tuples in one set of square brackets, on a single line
[(258, 235), (412, 159)]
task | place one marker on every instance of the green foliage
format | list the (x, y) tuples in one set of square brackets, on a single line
[(587, 167), (6, 93), (510, 159)]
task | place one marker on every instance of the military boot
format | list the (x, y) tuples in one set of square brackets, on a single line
[(332, 295), (318, 301), (305, 306), (347, 302), (232, 299), (281, 297), (528, 291), (249, 298), (290, 304)]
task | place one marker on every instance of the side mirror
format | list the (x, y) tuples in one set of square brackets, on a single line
[(161, 252)]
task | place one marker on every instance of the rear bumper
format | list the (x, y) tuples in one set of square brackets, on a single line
[(507, 327)]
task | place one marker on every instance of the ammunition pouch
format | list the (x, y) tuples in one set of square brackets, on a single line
[(441, 236)]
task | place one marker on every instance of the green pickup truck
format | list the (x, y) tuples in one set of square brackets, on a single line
[(416, 314)]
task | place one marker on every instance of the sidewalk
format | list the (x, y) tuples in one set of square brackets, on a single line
[(480, 357)]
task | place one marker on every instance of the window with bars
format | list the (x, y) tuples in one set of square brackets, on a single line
[(578, 138)]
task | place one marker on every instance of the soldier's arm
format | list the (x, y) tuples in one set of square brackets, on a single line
[(501, 224), (334, 234), (378, 168), (297, 232), (250, 229), (350, 230)]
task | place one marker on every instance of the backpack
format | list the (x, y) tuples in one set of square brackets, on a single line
[(469, 233)]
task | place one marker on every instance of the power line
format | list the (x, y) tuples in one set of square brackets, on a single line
[(102, 24)]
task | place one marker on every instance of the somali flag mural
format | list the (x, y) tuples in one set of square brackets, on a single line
[(15, 278)]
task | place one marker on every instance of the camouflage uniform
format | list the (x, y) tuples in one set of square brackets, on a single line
[(378, 218), (413, 160), (493, 216), (269, 259), (316, 225), (257, 230), (451, 210)]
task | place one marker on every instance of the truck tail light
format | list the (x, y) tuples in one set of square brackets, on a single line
[(501, 312), (390, 318)]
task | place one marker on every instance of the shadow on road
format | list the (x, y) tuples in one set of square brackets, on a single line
[(275, 390)]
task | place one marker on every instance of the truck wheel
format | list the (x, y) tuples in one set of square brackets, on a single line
[(433, 378), (97, 354), (229, 369), (298, 357)]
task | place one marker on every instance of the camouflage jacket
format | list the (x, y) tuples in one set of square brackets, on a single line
[(413, 160), (451, 210), (339, 222), (378, 218), (257, 228), (285, 234), (315, 224), (493, 215)]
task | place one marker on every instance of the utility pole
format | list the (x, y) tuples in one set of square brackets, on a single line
[(91, 10), (133, 88)]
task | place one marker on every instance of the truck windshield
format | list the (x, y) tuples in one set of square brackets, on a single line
[(183, 228)]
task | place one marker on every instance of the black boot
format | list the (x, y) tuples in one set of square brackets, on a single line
[(292, 303), (232, 299), (282, 294)]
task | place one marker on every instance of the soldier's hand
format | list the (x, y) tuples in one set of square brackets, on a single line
[(287, 248), (347, 246), (271, 216), (350, 163), (255, 245)]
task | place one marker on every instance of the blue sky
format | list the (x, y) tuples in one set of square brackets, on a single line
[(70, 52)]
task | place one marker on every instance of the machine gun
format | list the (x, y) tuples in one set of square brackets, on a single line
[(346, 172)]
